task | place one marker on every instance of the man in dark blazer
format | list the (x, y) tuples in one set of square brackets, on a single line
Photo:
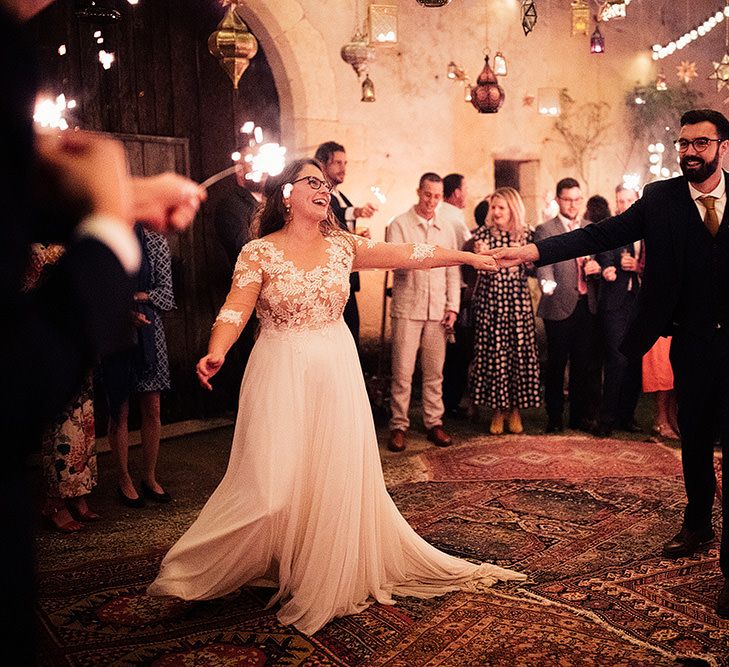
[(684, 293), (333, 159), (233, 220), (621, 275), (234, 214), (568, 306)]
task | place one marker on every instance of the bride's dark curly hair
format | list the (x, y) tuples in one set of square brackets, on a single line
[(272, 216)]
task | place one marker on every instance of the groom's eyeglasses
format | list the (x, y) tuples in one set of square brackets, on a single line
[(700, 144), (316, 183)]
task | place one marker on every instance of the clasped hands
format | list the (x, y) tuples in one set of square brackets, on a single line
[(506, 257)]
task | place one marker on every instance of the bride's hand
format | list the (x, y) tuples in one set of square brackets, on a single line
[(484, 262), (208, 366)]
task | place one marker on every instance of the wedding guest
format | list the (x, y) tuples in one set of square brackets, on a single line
[(505, 370), (568, 306), (333, 159), (622, 271), (303, 504), (68, 448), (458, 348), (423, 310), (658, 380), (144, 371)]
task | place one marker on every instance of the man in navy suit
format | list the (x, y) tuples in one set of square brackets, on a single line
[(621, 272), (334, 163), (684, 293)]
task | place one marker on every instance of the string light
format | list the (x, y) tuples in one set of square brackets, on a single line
[(663, 51)]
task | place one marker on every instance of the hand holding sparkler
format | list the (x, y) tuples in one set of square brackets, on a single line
[(90, 169), (166, 202)]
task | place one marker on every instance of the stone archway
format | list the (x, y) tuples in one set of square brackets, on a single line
[(298, 56)]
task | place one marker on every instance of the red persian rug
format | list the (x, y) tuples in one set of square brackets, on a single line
[(584, 518)]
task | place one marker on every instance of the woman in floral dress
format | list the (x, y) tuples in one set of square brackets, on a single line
[(69, 444), (505, 370)]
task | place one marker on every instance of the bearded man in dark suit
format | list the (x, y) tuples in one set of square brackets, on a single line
[(684, 293)]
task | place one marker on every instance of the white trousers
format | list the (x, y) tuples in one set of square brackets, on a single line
[(409, 337)]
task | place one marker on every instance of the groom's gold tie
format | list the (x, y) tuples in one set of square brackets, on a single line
[(711, 219)]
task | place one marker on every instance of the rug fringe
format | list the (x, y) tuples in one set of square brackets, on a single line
[(600, 621)]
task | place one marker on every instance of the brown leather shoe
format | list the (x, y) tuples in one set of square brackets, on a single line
[(396, 443), (439, 437), (687, 542)]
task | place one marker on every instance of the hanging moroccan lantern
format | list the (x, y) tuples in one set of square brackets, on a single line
[(358, 53), (580, 17), (597, 41), (433, 3), (368, 90), (500, 68), (487, 95), (233, 45)]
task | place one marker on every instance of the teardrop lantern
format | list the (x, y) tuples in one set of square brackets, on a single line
[(487, 95), (233, 45), (358, 53)]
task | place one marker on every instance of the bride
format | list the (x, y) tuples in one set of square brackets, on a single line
[(303, 505)]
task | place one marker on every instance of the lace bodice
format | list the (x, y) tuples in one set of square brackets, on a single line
[(289, 297)]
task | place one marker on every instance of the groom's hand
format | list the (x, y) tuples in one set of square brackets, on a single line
[(509, 256)]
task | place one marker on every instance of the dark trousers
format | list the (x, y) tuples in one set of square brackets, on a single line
[(351, 317), (455, 370), (701, 382), (574, 340), (621, 385)]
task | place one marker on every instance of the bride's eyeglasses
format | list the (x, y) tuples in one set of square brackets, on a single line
[(316, 183)]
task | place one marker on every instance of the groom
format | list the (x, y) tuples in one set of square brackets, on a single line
[(684, 293)]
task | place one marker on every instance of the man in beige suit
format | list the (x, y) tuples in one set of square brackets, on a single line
[(423, 310)]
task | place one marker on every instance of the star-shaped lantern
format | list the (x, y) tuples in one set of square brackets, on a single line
[(721, 72), (686, 71), (528, 15)]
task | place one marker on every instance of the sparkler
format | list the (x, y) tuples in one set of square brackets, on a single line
[(261, 159), (379, 195), (50, 113)]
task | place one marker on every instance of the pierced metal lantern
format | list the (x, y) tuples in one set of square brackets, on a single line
[(487, 96), (368, 90), (358, 53), (233, 45)]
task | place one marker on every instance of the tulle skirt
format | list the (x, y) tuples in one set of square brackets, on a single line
[(303, 505)]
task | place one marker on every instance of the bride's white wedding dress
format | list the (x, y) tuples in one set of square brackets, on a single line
[(303, 505)]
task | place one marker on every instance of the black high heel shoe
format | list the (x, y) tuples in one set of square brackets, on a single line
[(163, 497), (129, 502)]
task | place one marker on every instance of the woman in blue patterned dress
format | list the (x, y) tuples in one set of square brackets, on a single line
[(144, 370), (505, 370)]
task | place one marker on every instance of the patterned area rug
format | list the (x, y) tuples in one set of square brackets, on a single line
[(584, 518)]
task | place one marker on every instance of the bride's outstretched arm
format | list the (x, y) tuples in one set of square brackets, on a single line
[(233, 316), (373, 255)]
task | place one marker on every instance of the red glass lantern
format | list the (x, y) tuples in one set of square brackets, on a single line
[(487, 96)]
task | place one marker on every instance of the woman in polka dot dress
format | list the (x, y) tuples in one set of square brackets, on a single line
[(505, 371)]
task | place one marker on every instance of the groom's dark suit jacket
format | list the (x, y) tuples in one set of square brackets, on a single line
[(684, 269)]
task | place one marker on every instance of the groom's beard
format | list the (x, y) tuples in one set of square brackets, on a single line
[(696, 169)]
